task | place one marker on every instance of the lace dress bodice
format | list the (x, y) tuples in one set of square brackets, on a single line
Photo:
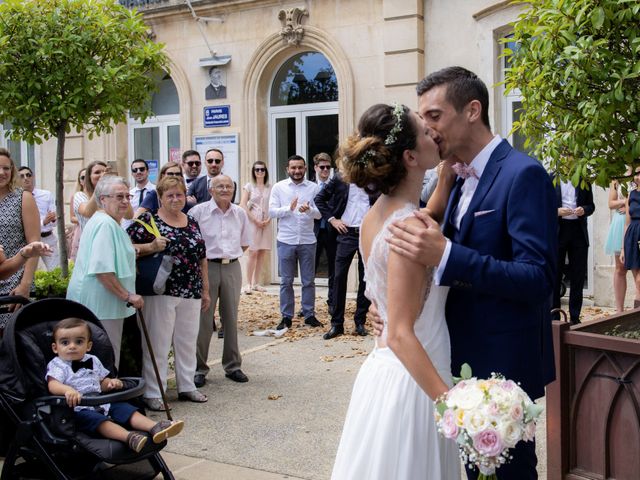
[(430, 327)]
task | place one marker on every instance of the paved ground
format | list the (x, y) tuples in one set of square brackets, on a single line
[(284, 423)]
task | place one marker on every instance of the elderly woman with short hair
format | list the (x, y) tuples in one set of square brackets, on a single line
[(104, 275), (176, 313)]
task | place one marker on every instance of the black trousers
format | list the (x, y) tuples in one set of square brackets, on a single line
[(347, 247), (572, 244), (327, 242)]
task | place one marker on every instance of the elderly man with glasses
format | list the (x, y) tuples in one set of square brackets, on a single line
[(225, 229)]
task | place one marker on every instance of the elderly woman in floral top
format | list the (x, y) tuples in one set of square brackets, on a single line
[(176, 313)]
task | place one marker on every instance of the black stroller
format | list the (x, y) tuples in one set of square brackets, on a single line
[(44, 441)]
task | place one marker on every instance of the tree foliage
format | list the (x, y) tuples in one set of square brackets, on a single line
[(85, 63), (577, 66), (66, 64)]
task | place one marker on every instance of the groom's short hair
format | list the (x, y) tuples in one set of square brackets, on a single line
[(463, 86)]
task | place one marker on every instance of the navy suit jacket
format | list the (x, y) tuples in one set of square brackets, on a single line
[(198, 188), (332, 199), (501, 270)]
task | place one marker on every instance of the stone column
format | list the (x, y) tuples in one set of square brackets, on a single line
[(403, 49)]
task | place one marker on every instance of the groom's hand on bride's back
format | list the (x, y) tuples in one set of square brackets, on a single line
[(421, 242)]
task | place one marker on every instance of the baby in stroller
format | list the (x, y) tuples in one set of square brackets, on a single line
[(74, 373)]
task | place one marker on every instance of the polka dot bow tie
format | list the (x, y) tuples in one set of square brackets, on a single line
[(464, 171)]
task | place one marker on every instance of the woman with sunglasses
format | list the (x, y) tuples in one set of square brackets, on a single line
[(83, 202), (73, 238), (255, 201), (104, 275), (151, 203)]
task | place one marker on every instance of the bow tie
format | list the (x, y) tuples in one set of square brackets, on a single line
[(464, 171), (78, 364)]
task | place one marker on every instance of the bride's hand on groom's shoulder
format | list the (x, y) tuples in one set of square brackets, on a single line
[(418, 239)]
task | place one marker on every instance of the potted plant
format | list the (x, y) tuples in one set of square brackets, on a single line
[(593, 407), (51, 283)]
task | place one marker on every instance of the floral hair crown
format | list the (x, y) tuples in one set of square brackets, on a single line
[(398, 110)]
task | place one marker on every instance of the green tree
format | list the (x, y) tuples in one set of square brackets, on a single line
[(73, 64), (577, 66)]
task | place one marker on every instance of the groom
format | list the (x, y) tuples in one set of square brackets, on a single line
[(497, 250)]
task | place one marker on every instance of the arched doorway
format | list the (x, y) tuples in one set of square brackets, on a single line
[(303, 111), (303, 119), (157, 140)]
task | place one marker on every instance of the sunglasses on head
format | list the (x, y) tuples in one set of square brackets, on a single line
[(139, 170), (211, 160), (194, 164), (26, 175), (324, 167), (259, 169)]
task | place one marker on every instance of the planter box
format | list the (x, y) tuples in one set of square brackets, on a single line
[(593, 407)]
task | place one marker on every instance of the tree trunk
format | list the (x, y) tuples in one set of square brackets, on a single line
[(62, 237)]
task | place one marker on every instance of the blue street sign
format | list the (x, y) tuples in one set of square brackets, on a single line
[(218, 116)]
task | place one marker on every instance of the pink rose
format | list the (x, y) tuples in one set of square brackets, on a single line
[(488, 443), (493, 409), (509, 385), (449, 425), (516, 412)]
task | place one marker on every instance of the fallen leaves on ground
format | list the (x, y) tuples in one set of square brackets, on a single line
[(274, 397), (261, 311)]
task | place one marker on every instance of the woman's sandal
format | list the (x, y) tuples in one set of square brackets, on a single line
[(195, 396)]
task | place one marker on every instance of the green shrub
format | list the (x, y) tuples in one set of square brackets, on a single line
[(51, 283)]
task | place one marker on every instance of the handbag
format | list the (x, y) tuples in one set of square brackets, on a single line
[(153, 270)]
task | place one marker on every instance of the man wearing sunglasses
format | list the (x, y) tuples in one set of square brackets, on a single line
[(140, 173), (325, 234), (47, 208), (198, 191), (191, 165)]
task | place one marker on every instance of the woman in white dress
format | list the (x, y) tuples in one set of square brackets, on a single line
[(390, 431)]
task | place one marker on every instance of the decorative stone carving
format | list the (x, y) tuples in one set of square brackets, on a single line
[(291, 19)]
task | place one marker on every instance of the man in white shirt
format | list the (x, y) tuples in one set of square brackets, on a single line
[(325, 235), (140, 173), (291, 202), (343, 206), (47, 208), (225, 229)]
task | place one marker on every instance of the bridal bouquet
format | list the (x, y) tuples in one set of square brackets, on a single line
[(486, 418)]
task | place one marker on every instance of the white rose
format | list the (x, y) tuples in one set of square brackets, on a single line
[(511, 433), (469, 398), (475, 422)]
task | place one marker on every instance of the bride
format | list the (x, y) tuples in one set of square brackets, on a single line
[(390, 431)]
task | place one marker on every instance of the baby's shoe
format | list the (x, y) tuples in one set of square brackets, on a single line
[(165, 429), (136, 441)]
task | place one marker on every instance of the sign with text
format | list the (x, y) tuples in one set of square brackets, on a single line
[(218, 116)]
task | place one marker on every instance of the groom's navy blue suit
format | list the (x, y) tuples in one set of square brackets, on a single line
[(501, 270)]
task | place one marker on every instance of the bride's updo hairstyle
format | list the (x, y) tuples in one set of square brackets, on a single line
[(372, 157)]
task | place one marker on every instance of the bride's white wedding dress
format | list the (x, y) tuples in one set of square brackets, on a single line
[(390, 431)]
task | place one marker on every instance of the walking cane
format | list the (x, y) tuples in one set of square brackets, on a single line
[(155, 365)]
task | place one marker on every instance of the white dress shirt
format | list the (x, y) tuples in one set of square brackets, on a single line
[(466, 195), (46, 203), (135, 191), (569, 199), (224, 233), (357, 206), (294, 227)]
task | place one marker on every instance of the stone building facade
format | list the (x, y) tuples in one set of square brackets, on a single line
[(296, 76)]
